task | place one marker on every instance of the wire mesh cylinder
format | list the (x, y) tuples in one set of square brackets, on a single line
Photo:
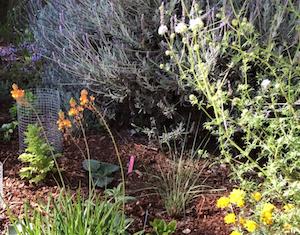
[(41, 106)]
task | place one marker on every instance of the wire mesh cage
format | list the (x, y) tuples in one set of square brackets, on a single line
[(41, 107)]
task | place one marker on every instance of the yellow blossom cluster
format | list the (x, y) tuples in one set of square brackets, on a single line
[(235, 203), (237, 198), (266, 213)]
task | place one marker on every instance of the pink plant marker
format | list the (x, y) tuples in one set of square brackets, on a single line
[(131, 164)]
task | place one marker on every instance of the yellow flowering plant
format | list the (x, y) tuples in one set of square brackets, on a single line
[(251, 213)]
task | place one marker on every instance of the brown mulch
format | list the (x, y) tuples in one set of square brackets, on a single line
[(201, 216)]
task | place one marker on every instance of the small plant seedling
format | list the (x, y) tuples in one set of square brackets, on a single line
[(101, 171), (161, 227), (8, 129)]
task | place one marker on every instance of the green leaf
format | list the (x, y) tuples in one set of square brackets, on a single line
[(107, 168), (102, 181), (93, 164)]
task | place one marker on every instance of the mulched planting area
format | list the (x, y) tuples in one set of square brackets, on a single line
[(202, 216)]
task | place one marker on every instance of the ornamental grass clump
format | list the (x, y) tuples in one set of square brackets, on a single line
[(182, 181)]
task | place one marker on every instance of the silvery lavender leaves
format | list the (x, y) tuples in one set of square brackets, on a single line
[(111, 47)]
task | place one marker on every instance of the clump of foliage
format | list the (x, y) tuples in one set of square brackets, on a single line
[(180, 182), (7, 130), (244, 70), (101, 171), (74, 214), (13, 21), (161, 227), (20, 64), (38, 155), (113, 48)]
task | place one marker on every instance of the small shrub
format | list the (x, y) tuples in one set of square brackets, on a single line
[(38, 155), (113, 49)]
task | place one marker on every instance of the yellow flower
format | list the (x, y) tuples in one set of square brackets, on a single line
[(256, 196), (17, 93), (266, 213), (266, 217), (230, 218), (250, 225), (223, 202), (67, 123), (240, 203), (288, 207), (235, 233), (268, 207), (237, 196)]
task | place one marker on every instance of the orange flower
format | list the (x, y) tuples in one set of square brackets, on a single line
[(73, 112), (67, 123), (62, 122), (84, 100), (17, 93)]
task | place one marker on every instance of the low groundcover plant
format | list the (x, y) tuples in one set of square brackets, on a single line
[(253, 213)]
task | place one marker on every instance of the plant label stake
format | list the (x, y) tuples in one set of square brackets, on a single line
[(131, 164), (1, 185)]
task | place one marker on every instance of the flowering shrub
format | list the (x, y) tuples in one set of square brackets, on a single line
[(258, 216), (112, 48), (249, 89)]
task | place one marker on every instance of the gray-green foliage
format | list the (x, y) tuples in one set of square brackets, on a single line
[(7, 130), (38, 155), (244, 67), (179, 180), (113, 48), (75, 214), (101, 172)]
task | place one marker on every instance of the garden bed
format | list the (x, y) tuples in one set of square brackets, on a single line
[(201, 217)]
